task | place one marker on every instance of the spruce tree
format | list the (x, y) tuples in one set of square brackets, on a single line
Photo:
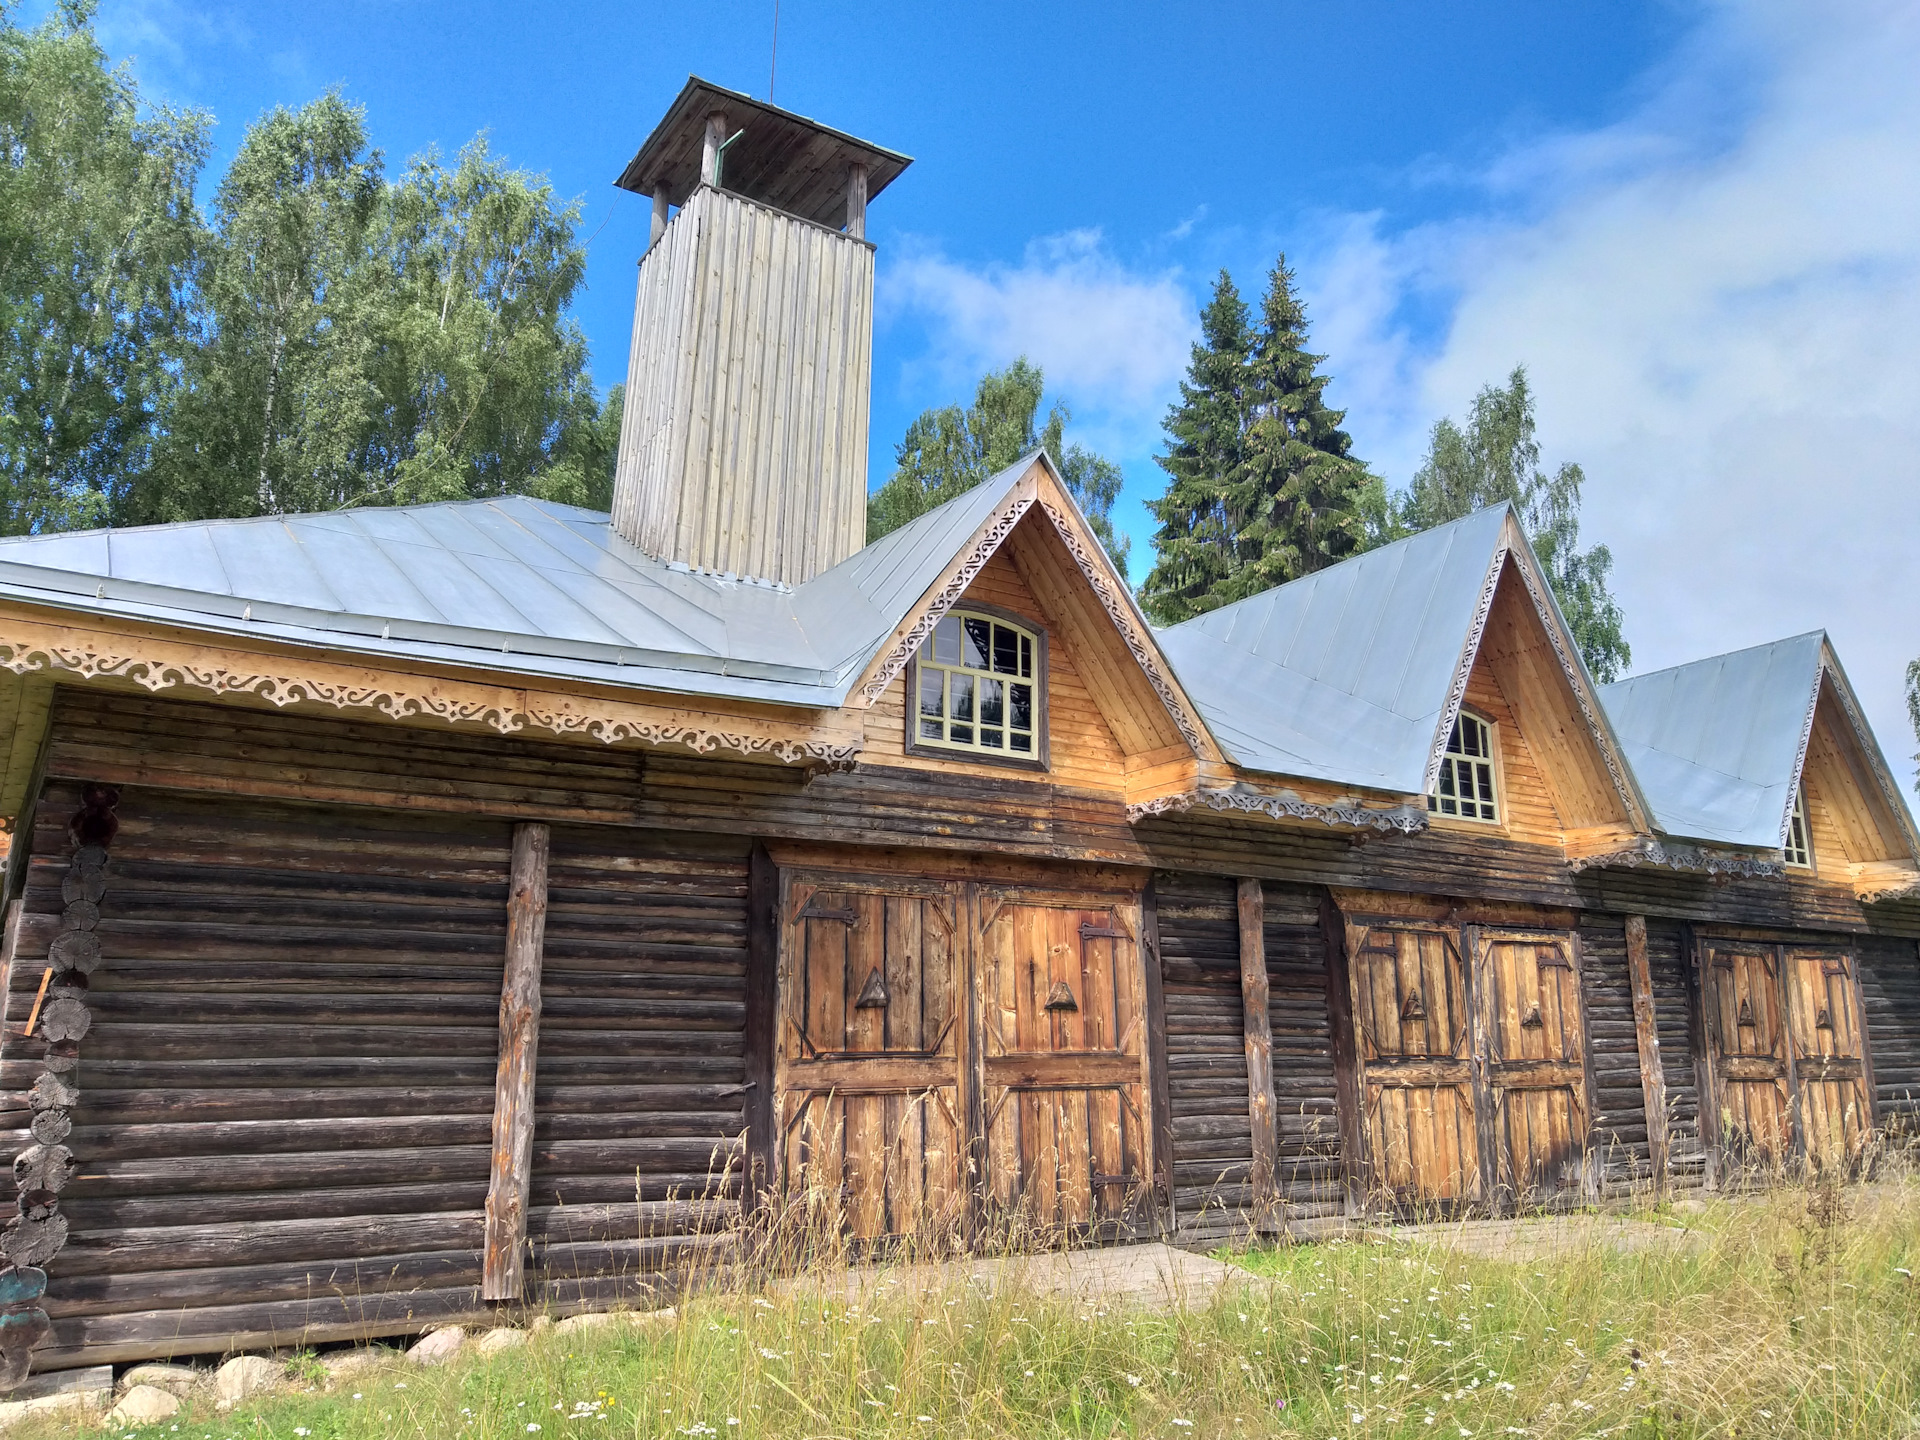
[(1206, 461), (1263, 487)]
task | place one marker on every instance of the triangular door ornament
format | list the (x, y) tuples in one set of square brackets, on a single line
[(873, 994), (1746, 1012), (1414, 1007), (1061, 998), (1824, 1019), (1531, 1020)]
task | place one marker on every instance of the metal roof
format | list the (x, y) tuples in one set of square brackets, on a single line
[(513, 585), (779, 158), (1718, 743), (1343, 675)]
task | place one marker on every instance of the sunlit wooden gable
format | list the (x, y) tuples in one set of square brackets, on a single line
[(1730, 747), (1336, 696), (1118, 718)]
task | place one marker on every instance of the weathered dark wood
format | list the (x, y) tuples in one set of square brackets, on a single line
[(1646, 1030), (1258, 1030), (511, 1180), (1157, 1089), (762, 996)]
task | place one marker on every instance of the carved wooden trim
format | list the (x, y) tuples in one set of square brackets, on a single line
[(1457, 690), (396, 695), (1800, 752), (1282, 806), (1698, 858), (1576, 675), (38, 1232), (1120, 612), (958, 582)]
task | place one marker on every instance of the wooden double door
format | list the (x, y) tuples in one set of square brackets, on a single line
[(1786, 1054), (955, 1057), (1471, 1046)]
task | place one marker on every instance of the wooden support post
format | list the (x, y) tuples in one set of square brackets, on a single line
[(1653, 1079), (512, 1176), (857, 201), (710, 144), (1346, 1064), (659, 215), (1158, 1089), (763, 985), (1259, 1035)]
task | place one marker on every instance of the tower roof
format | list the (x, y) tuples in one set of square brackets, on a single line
[(779, 158)]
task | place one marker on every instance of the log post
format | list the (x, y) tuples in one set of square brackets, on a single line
[(763, 986), (1259, 1035), (857, 201), (659, 215), (1653, 1079), (511, 1180), (711, 143)]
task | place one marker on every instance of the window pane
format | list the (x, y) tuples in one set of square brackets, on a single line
[(990, 739), (960, 734), (993, 704), (1484, 773), (946, 641), (1022, 696), (960, 696), (1006, 650), (932, 690), (976, 637), (930, 730), (1026, 658), (1023, 743)]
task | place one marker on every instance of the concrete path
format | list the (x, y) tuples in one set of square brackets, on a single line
[(1549, 1237), (1155, 1275)]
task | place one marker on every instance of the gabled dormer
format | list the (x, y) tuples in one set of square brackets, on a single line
[(1766, 750)]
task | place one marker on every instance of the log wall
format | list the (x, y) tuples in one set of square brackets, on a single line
[(1890, 993), (1306, 1107), (1618, 1136), (1669, 966)]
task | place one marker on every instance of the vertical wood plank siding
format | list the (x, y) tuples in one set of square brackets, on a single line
[(1890, 994), (752, 351), (1618, 1135), (642, 1066), (287, 1092)]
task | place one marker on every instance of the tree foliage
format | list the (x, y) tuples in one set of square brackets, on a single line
[(1913, 704), (323, 336), (97, 238), (948, 451), (1262, 485), (1496, 457)]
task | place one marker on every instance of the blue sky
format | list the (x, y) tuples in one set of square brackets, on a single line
[(1698, 224)]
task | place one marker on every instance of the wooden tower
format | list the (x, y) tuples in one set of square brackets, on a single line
[(743, 446)]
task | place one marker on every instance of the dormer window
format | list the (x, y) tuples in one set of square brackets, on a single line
[(979, 688), (1468, 788), (1799, 852)]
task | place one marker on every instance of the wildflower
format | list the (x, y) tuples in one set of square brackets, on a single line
[(1134, 1381), (532, 1429), (1187, 1424)]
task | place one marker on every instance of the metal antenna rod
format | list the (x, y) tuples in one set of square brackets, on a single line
[(774, 64)]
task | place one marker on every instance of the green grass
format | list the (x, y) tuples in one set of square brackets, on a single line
[(1796, 1315)]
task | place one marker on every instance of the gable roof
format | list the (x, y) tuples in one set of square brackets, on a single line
[(513, 584), (1719, 743), (521, 586), (1353, 675)]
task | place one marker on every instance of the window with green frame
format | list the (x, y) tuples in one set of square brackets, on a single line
[(979, 688), (1468, 787)]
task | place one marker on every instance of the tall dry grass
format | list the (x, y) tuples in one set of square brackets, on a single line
[(1789, 1313)]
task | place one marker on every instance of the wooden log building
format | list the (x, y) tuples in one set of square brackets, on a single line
[(416, 911)]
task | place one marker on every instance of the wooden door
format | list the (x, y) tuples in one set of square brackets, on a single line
[(869, 1055), (1747, 1053), (1063, 1055), (1413, 1036), (1832, 1091), (1534, 1030)]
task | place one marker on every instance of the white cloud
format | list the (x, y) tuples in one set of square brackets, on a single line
[(1111, 339), (1725, 335)]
